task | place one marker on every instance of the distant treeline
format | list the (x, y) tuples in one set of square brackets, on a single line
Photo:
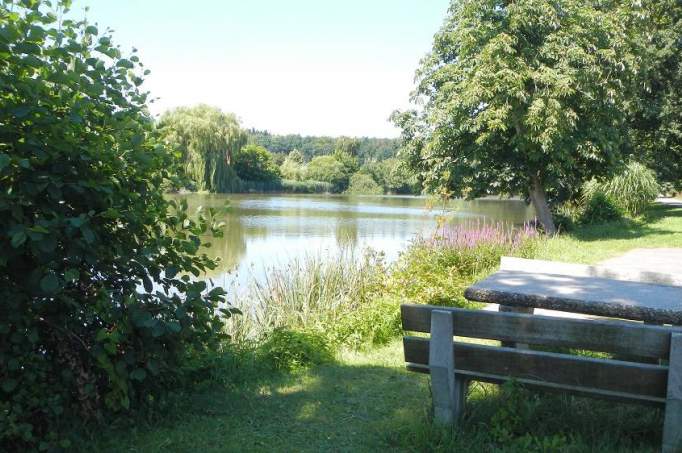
[(368, 148), (219, 156)]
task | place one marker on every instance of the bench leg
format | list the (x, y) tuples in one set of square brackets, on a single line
[(447, 391), (672, 426), (526, 310)]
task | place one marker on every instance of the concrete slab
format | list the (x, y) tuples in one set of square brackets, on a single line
[(650, 261)]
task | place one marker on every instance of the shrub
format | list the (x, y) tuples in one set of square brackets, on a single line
[(306, 186), (255, 163), (363, 184), (567, 215), (632, 190), (373, 323), (600, 208), (328, 169), (288, 350), (98, 309), (437, 270)]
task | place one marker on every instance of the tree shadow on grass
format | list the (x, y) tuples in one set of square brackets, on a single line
[(630, 229), (340, 407)]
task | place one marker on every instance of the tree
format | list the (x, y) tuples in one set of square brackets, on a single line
[(328, 169), (523, 97), (292, 167), (207, 139), (393, 176), (255, 163), (363, 184), (656, 119), (97, 309)]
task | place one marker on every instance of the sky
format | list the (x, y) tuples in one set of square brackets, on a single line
[(312, 67)]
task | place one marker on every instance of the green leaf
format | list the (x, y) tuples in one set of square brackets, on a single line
[(147, 283), (8, 385), (71, 275), (49, 283), (88, 235), (171, 272), (174, 326), (138, 374), (18, 239), (91, 30), (4, 161)]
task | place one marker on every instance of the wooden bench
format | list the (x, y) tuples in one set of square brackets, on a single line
[(452, 364)]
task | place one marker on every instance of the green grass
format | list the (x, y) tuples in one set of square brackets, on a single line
[(661, 227), (366, 401)]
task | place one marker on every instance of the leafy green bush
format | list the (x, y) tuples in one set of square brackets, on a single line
[(330, 170), (288, 350), (255, 163), (567, 215), (600, 208), (438, 270), (307, 186), (632, 190), (363, 184), (98, 309), (373, 323)]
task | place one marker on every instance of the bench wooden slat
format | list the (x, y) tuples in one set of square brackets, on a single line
[(634, 381), (618, 337)]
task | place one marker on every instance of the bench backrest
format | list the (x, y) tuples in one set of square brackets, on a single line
[(630, 380)]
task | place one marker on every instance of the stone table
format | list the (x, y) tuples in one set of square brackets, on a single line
[(654, 303)]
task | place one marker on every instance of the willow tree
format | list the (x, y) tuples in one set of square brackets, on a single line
[(207, 139), (520, 97)]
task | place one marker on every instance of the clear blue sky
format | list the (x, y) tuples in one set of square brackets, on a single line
[(290, 66)]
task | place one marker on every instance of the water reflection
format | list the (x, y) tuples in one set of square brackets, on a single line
[(264, 231)]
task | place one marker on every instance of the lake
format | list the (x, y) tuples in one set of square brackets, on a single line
[(265, 231)]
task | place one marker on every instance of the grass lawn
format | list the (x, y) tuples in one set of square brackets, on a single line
[(366, 401)]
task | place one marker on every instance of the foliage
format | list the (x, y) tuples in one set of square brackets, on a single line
[(600, 208), (393, 176), (632, 189), (521, 97), (363, 184), (289, 350), (365, 148), (98, 308), (307, 186), (312, 295), (567, 215), (255, 163), (208, 141), (437, 270), (655, 120), (328, 169), (292, 167), (370, 324)]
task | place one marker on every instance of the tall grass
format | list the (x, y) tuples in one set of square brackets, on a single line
[(633, 189), (309, 294)]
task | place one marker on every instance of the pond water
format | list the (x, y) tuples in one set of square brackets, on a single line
[(267, 231)]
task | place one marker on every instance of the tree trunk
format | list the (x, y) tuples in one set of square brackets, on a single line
[(539, 199)]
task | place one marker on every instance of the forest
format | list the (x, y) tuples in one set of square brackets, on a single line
[(220, 156)]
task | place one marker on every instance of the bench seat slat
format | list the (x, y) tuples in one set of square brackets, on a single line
[(638, 380), (618, 337), (548, 386)]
